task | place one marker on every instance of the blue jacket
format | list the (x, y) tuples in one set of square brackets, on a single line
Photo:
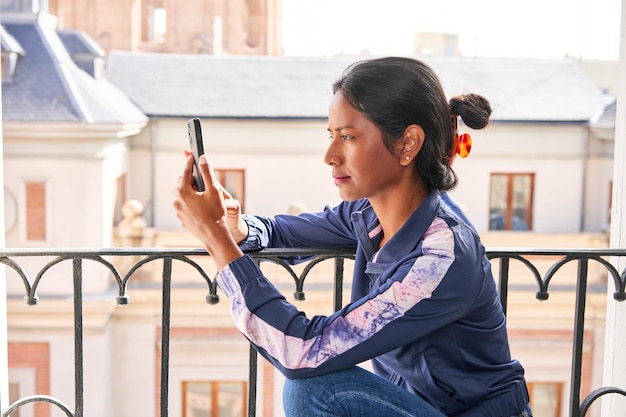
[(424, 308)]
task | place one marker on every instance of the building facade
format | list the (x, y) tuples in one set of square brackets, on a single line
[(540, 175), (232, 27)]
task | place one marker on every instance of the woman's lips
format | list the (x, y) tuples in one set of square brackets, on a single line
[(340, 179)]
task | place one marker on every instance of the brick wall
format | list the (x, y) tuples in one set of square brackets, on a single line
[(34, 356)]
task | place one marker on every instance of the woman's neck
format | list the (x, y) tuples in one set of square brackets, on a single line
[(393, 212)]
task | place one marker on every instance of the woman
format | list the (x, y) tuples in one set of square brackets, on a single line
[(424, 305)]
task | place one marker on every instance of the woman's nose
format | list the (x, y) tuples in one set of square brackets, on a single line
[(330, 157)]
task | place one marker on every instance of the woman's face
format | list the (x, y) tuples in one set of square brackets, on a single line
[(362, 167)]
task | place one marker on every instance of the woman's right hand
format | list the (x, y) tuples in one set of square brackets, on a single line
[(236, 225)]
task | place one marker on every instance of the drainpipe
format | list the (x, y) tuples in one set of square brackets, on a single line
[(615, 337), (585, 169), (153, 153), (4, 341)]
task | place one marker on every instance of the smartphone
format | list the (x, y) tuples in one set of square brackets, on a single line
[(197, 149)]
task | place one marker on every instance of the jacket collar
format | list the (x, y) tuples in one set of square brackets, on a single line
[(405, 240)]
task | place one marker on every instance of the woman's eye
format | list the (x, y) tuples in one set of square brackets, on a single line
[(344, 137)]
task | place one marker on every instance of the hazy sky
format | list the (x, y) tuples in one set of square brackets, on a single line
[(587, 29)]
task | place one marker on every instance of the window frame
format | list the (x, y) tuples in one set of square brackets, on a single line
[(221, 174), (559, 395), (25, 219), (214, 389), (510, 206)]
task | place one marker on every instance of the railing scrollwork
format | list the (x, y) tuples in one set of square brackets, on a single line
[(284, 259)]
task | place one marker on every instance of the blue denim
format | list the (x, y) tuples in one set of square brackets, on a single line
[(355, 392), (352, 393)]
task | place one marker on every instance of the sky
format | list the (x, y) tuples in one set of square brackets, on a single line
[(585, 29)]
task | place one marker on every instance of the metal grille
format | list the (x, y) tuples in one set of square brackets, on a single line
[(502, 260)]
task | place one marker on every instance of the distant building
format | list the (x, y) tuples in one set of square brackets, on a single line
[(231, 27), (603, 74), (61, 118), (436, 44), (541, 147)]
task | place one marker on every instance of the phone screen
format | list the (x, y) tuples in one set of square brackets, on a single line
[(197, 149)]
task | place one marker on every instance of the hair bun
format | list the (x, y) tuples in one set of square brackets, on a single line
[(473, 109)]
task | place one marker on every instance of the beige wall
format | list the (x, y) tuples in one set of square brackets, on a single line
[(603, 73), (282, 159), (284, 163), (81, 187)]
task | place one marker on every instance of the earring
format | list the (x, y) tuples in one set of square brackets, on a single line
[(407, 158), (463, 145)]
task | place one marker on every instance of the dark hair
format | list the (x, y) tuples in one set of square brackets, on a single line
[(395, 92)]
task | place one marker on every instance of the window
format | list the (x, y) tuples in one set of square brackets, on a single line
[(14, 395), (36, 225), (8, 65), (154, 25), (120, 198), (545, 398), (234, 182), (511, 201), (159, 25), (214, 398)]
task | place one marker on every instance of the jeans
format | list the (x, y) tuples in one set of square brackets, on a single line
[(525, 413), (355, 392)]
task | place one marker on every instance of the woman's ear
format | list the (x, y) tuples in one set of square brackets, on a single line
[(411, 143)]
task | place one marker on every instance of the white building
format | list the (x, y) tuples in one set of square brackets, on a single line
[(268, 117), (76, 146)]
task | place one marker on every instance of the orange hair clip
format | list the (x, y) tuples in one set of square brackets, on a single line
[(463, 145)]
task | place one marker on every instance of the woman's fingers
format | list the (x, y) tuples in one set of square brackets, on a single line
[(206, 170), (187, 178)]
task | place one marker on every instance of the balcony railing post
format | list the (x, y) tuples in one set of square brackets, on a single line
[(503, 282), (579, 331), (165, 334), (338, 288), (252, 382), (78, 336)]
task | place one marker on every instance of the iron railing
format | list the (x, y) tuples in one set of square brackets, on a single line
[(502, 259)]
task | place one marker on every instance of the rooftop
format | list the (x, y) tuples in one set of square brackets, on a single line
[(48, 85), (176, 85)]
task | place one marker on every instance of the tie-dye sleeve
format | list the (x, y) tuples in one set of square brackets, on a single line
[(298, 346)]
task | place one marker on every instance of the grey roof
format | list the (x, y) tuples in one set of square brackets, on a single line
[(286, 87), (78, 42), (533, 90), (606, 119), (232, 87), (8, 42), (48, 86)]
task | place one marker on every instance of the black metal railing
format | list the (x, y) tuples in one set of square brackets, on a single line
[(502, 259)]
